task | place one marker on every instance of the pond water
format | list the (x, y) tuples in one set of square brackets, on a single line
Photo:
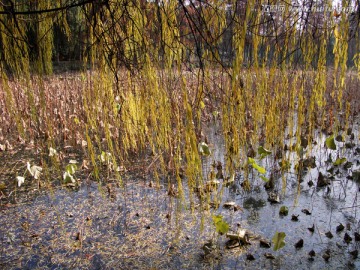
[(142, 227)]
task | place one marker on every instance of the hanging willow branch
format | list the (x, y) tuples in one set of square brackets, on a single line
[(10, 8)]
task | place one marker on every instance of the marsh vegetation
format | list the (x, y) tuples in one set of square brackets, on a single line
[(178, 135)]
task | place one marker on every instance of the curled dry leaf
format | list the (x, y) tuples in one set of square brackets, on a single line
[(34, 170), (274, 197), (52, 152), (20, 180), (8, 146), (85, 164), (2, 147)]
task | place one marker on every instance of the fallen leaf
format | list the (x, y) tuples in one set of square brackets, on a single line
[(357, 236), (221, 226), (232, 243), (339, 138), (229, 204), (299, 244), (306, 212), (340, 228), (326, 256), (256, 166), (330, 143), (250, 257), (329, 235), (265, 243), (278, 240), (322, 181), (8, 146), (204, 149), (2, 147), (20, 180), (273, 197), (71, 168), (263, 152), (34, 170), (284, 210), (68, 178), (208, 247), (354, 253), (2, 185), (347, 238), (269, 256), (52, 152), (339, 161)]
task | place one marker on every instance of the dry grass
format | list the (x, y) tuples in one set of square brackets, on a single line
[(56, 111)]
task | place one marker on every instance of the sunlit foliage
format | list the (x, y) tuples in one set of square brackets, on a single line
[(152, 72)]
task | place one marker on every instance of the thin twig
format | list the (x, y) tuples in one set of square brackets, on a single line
[(354, 206)]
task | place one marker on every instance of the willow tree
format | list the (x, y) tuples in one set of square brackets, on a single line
[(137, 92)]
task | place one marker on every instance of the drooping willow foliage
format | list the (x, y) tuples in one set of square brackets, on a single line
[(152, 71)]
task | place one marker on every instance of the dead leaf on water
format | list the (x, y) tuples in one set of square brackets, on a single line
[(229, 205), (326, 256), (230, 244), (312, 253), (299, 244), (354, 253), (269, 256), (312, 229), (329, 235), (250, 257), (340, 227), (347, 238), (265, 243), (274, 197)]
